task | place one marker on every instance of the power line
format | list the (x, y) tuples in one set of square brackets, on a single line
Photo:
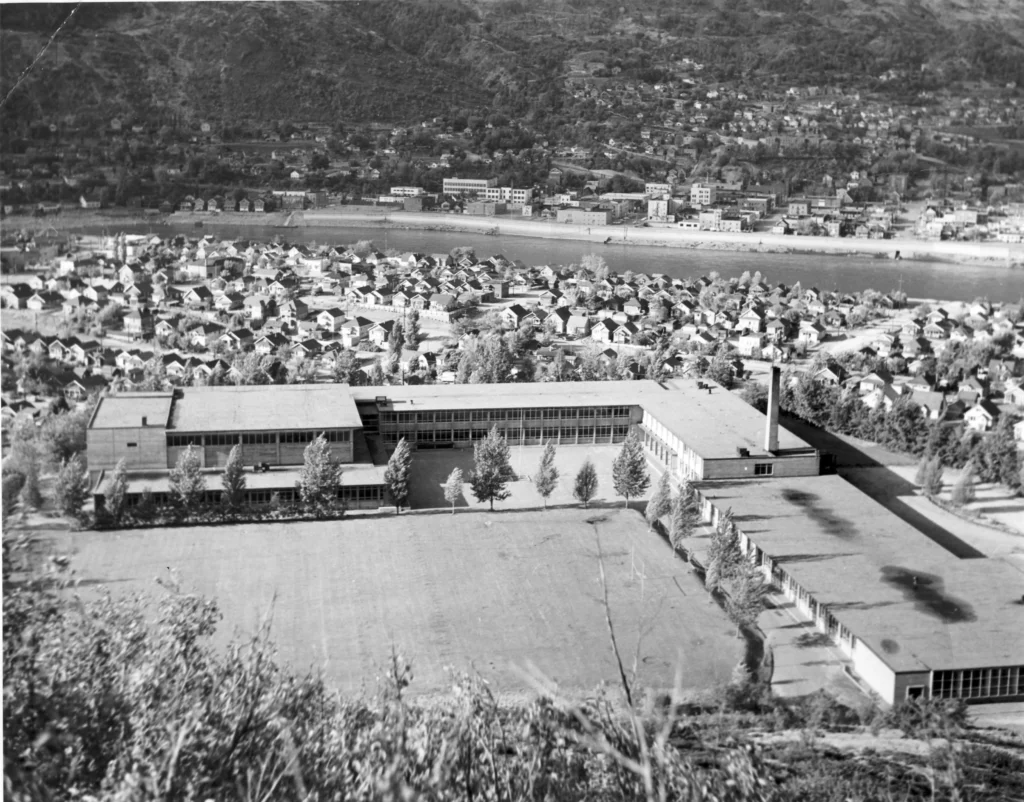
[(28, 69)]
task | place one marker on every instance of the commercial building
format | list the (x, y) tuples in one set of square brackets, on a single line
[(407, 192), (585, 217), (703, 195), (459, 186), (511, 195)]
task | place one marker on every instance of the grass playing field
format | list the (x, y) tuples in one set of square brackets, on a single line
[(492, 592)]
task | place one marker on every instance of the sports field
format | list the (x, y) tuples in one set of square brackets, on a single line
[(493, 592)]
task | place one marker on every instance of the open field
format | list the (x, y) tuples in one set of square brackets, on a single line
[(490, 591)]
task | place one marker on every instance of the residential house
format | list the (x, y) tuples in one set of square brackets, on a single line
[(603, 331), (354, 331), (331, 319), (982, 416), (380, 333), (138, 322)]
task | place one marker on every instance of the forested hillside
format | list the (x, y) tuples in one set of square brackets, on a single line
[(403, 61)]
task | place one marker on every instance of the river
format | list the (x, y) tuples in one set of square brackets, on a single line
[(919, 279)]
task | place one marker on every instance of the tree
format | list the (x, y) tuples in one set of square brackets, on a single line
[(492, 468), (932, 484), (546, 478), (962, 493), (397, 340), (660, 503), (412, 333), (396, 475), (117, 493), (681, 523), (585, 486), (453, 487), (748, 592), (629, 470), (233, 480), (186, 480), (724, 553), (319, 479), (71, 488)]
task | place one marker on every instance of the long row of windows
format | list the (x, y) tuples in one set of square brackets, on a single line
[(357, 493), (255, 438), (530, 413), (563, 434), (978, 683)]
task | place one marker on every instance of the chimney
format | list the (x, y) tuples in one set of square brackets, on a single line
[(771, 431)]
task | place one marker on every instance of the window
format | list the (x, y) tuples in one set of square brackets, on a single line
[(460, 434), (297, 438), (568, 432), (479, 434), (481, 414), (445, 416), (620, 412), (604, 431), (131, 445), (424, 417), (552, 413), (514, 435), (460, 415), (387, 417), (406, 417), (391, 437), (550, 433), (586, 431), (531, 414), (259, 438), (531, 433), (588, 412), (763, 469), (338, 436), (620, 430), (181, 440), (221, 439)]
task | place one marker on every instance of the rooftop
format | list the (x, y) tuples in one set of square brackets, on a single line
[(712, 424), (128, 410), (914, 604), (267, 407)]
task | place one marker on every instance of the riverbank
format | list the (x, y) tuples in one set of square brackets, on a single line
[(983, 253)]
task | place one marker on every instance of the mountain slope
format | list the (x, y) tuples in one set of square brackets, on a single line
[(403, 61)]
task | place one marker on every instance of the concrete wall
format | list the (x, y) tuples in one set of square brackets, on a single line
[(874, 672), (104, 447)]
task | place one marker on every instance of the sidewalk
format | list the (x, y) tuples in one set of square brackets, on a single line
[(806, 660)]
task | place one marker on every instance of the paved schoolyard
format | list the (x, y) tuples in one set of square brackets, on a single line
[(495, 592), (432, 468)]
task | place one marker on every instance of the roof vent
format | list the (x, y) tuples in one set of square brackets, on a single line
[(143, 420)]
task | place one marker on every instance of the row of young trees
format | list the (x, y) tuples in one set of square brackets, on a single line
[(492, 472)]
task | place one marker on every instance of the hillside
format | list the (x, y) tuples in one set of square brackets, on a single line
[(401, 62)]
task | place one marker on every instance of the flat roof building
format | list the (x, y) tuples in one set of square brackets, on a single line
[(915, 618)]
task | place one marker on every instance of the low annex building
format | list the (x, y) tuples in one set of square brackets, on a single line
[(915, 619)]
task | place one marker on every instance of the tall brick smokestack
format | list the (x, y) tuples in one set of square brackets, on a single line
[(771, 429)]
